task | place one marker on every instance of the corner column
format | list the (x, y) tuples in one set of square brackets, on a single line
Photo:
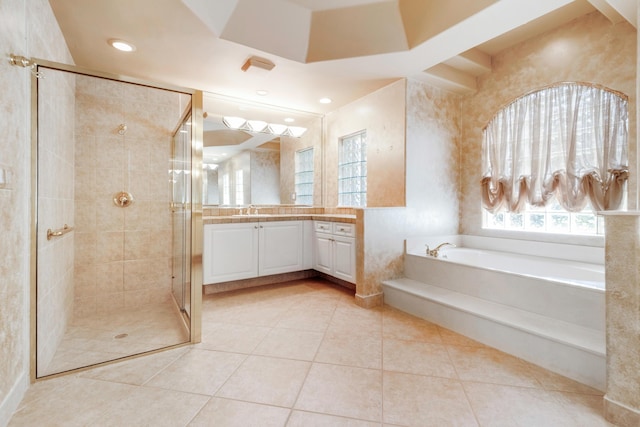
[(622, 261)]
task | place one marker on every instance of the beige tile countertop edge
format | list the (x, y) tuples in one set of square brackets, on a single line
[(232, 219)]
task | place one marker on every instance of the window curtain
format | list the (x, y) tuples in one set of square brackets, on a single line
[(569, 140)]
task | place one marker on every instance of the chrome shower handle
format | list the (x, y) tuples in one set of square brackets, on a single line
[(123, 199)]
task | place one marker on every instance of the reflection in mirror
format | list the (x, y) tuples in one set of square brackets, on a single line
[(257, 154)]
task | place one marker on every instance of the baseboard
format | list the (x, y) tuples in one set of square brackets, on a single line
[(619, 414), (11, 402), (370, 301)]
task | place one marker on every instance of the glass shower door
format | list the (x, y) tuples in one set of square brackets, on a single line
[(181, 215), (103, 219)]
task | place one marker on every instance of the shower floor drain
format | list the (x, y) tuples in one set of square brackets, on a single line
[(120, 336)]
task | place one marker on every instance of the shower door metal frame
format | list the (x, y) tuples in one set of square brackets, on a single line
[(196, 226)]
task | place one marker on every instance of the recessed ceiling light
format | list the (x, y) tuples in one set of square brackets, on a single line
[(122, 45), (289, 120), (262, 92), (325, 100)]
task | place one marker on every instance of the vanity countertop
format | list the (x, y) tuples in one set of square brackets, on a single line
[(229, 219)]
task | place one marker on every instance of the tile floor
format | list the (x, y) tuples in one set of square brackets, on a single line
[(303, 354), (91, 339)]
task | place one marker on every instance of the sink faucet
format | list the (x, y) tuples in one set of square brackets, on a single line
[(434, 252)]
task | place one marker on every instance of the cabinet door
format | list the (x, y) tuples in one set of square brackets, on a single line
[(344, 258), (281, 247), (322, 252), (230, 252)]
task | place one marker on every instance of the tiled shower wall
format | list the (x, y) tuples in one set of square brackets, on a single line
[(123, 255), (55, 209)]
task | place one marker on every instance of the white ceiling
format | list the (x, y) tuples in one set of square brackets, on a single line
[(341, 49)]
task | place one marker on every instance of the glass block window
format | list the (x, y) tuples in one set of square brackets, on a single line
[(239, 187), (304, 177), (352, 170), (226, 193)]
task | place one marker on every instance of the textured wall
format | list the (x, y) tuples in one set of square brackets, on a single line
[(265, 177), (27, 28), (622, 252), (589, 49), (382, 115), (432, 151), (122, 254)]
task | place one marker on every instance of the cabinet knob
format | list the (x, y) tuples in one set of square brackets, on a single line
[(255, 226)]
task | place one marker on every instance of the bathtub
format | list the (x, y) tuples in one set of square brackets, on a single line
[(543, 302), (556, 280), (544, 268)]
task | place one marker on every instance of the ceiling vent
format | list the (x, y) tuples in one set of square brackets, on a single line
[(258, 62)]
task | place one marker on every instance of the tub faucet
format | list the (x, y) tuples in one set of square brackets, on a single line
[(434, 252)]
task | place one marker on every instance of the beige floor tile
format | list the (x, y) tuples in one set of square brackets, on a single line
[(136, 371), (76, 404), (552, 381), (415, 357), (309, 319), (147, 406), (232, 338), (402, 326), (414, 400), (358, 351), (309, 419), (585, 409), (290, 344), (500, 405), (266, 380), (491, 366), (342, 390), (453, 338), (233, 413), (198, 371)]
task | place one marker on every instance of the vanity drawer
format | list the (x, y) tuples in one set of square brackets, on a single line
[(344, 229), (322, 226)]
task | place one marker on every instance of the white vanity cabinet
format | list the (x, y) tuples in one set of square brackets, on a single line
[(230, 252), (281, 247), (335, 249), (245, 250)]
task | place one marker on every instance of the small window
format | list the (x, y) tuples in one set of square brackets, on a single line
[(304, 177), (352, 170), (226, 190)]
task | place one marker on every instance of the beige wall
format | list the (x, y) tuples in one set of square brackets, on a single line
[(382, 115), (123, 255), (265, 177), (27, 28), (432, 151), (590, 49)]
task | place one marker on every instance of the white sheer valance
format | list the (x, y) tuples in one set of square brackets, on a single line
[(567, 140)]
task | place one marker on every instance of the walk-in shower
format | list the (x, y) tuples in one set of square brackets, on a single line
[(116, 206)]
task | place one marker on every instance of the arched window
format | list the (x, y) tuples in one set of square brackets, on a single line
[(564, 144)]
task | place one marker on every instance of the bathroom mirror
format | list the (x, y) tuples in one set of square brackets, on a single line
[(257, 154)]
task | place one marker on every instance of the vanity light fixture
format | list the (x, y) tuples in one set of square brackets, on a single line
[(325, 101), (296, 131), (257, 125), (238, 123), (121, 45), (277, 129), (234, 122)]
